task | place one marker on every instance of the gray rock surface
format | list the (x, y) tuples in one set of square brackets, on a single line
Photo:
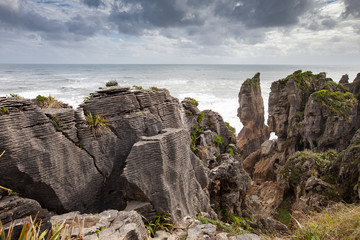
[(155, 172), (203, 231), (110, 224), (15, 207)]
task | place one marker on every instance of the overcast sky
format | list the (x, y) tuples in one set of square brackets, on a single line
[(180, 31)]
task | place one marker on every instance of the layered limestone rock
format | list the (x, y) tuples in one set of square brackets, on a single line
[(317, 117), (41, 162), (155, 173), (60, 158), (251, 114)]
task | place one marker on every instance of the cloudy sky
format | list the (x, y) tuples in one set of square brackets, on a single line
[(180, 31)]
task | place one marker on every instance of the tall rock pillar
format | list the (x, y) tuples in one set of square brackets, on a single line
[(251, 114)]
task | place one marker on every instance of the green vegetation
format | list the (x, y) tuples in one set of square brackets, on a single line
[(231, 151), (218, 140), (158, 89), (4, 110), (138, 87), (111, 83), (337, 103), (283, 216), (14, 95), (47, 102), (339, 222), (232, 130), (200, 118), (97, 124), (196, 130), (88, 98), (229, 223), (31, 230), (58, 124), (97, 231), (252, 82), (193, 102), (161, 222)]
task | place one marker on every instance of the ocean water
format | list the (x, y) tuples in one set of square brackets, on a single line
[(216, 87)]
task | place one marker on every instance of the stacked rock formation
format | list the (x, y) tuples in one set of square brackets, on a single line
[(315, 120), (251, 114)]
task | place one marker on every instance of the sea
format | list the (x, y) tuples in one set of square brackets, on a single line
[(215, 87)]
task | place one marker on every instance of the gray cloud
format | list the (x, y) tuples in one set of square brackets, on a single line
[(93, 3), (269, 13), (352, 8), (77, 28)]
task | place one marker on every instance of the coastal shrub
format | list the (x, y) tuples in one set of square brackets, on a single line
[(48, 102), (4, 110), (14, 95), (111, 83), (138, 87), (161, 222), (158, 89), (97, 124), (232, 130), (252, 82), (231, 151), (337, 103), (338, 222), (196, 130), (218, 140), (193, 102), (200, 118)]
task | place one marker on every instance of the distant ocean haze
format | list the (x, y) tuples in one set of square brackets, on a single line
[(215, 87)]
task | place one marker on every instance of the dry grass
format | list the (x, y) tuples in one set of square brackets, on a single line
[(338, 222)]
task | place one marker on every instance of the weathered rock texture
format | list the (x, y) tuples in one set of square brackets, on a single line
[(315, 119), (57, 158), (154, 174), (214, 143), (110, 224), (251, 114)]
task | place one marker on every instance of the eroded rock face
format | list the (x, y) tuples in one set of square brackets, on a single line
[(305, 114), (57, 158), (228, 185), (155, 172), (251, 114), (43, 163)]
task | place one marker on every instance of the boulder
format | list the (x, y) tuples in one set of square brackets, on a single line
[(14, 207), (110, 224)]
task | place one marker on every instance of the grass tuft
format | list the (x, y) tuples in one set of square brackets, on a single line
[(97, 124), (48, 102), (111, 83), (161, 222), (339, 222)]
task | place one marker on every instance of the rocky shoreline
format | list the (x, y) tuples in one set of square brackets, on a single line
[(130, 154)]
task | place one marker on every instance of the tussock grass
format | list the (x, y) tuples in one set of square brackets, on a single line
[(48, 102), (338, 222), (97, 124)]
